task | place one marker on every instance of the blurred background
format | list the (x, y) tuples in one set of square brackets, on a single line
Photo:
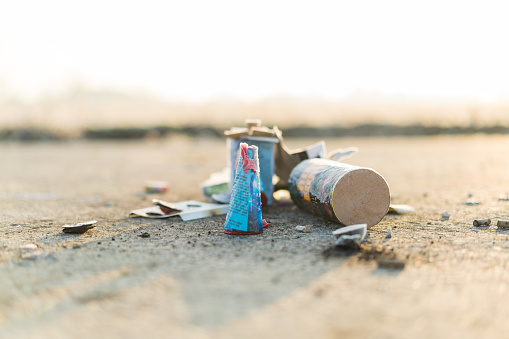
[(68, 67)]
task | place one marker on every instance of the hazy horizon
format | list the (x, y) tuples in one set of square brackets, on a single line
[(69, 65), (80, 108)]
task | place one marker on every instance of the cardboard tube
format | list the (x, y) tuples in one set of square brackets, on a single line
[(339, 192)]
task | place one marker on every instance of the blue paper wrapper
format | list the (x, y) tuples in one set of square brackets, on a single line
[(245, 212), (265, 147)]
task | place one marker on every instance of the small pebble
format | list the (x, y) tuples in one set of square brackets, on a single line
[(303, 229), (482, 222), (503, 224), (388, 236), (393, 264), (503, 197), (445, 216), (28, 247), (145, 235), (471, 202)]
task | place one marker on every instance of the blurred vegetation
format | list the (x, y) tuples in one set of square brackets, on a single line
[(108, 114)]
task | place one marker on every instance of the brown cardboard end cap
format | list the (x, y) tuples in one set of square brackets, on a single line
[(236, 132), (261, 132), (253, 123), (361, 196)]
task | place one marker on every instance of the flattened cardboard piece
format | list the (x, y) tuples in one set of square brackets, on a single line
[(153, 212), (166, 207), (261, 131), (317, 150), (245, 212), (190, 210), (237, 132), (286, 159), (197, 210)]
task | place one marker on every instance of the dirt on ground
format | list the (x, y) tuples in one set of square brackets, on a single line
[(167, 278)]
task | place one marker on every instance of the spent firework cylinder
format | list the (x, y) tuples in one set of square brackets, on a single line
[(340, 192), (265, 147), (245, 211)]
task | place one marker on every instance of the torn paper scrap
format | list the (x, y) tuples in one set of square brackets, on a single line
[(303, 229), (153, 212), (350, 236), (342, 153), (217, 183), (166, 207), (360, 229), (189, 210), (155, 186), (82, 227), (401, 209)]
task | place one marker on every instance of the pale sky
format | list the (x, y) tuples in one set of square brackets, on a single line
[(202, 49)]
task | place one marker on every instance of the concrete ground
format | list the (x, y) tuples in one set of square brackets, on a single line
[(433, 278)]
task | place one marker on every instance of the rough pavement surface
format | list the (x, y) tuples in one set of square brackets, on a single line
[(432, 278)]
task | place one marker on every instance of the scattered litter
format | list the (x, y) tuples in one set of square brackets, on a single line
[(245, 212), (217, 183), (153, 212), (503, 197), (28, 247), (349, 241), (253, 123), (222, 198), (350, 236), (264, 139), (144, 235), (189, 210), (336, 191), (286, 160), (156, 187), (471, 201), (445, 216), (303, 229), (503, 224), (167, 207), (393, 264), (388, 236), (482, 222), (79, 228), (342, 154), (401, 209), (360, 229), (283, 198)]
